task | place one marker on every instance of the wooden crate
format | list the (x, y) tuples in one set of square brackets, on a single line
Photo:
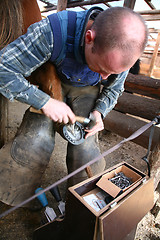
[(115, 221)]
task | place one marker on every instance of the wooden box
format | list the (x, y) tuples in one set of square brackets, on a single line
[(115, 220)]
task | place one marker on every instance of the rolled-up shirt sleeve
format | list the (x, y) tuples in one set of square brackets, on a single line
[(110, 94), (20, 58)]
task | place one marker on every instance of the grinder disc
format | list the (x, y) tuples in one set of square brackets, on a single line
[(74, 133)]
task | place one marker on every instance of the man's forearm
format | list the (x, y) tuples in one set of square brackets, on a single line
[(20, 58)]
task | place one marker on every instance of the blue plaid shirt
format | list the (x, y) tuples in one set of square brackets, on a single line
[(21, 57)]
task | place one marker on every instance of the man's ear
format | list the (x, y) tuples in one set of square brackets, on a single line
[(89, 36)]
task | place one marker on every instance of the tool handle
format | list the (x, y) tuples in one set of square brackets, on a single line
[(56, 194), (89, 171), (82, 119), (32, 109), (42, 197)]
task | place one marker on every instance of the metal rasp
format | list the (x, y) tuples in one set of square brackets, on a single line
[(49, 212), (56, 194)]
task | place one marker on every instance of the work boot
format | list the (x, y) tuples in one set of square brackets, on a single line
[(25, 158)]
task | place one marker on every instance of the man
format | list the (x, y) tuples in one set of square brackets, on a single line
[(88, 48)]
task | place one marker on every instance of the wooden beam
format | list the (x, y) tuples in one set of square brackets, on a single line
[(155, 17), (78, 4), (150, 15), (154, 56), (153, 30), (62, 5), (107, 4), (84, 8), (89, 2), (149, 12), (124, 125), (150, 4), (143, 85), (129, 3), (144, 67), (137, 105)]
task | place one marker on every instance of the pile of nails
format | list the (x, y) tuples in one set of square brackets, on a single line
[(121, 180)]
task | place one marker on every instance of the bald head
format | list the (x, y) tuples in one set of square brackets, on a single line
[(120, 28)]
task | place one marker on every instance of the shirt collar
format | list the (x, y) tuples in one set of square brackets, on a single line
[(91, 16)]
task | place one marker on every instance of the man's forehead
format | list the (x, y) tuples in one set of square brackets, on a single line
[(112, 60), (119, 61)]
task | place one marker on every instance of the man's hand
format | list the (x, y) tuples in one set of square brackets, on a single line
[(98, 126), (58, 111)]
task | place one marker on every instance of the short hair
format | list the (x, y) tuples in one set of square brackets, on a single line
[(110, 34)]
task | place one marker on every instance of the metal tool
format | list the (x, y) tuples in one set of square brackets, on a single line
[(83, 120), (49, 212), (75, 133), (87, 122), (56, 194)]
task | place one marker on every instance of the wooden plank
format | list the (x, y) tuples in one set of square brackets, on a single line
[(140, 106), (89, 171), (89, 2), (144, 70), (62, 5), (129, 3), (153, 30), (154, 56), (107, 4), (151, 17), (149, 12), (143, 85), (124, 125), (78, 4), (156, 73), (117, 223), (150, 4)]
